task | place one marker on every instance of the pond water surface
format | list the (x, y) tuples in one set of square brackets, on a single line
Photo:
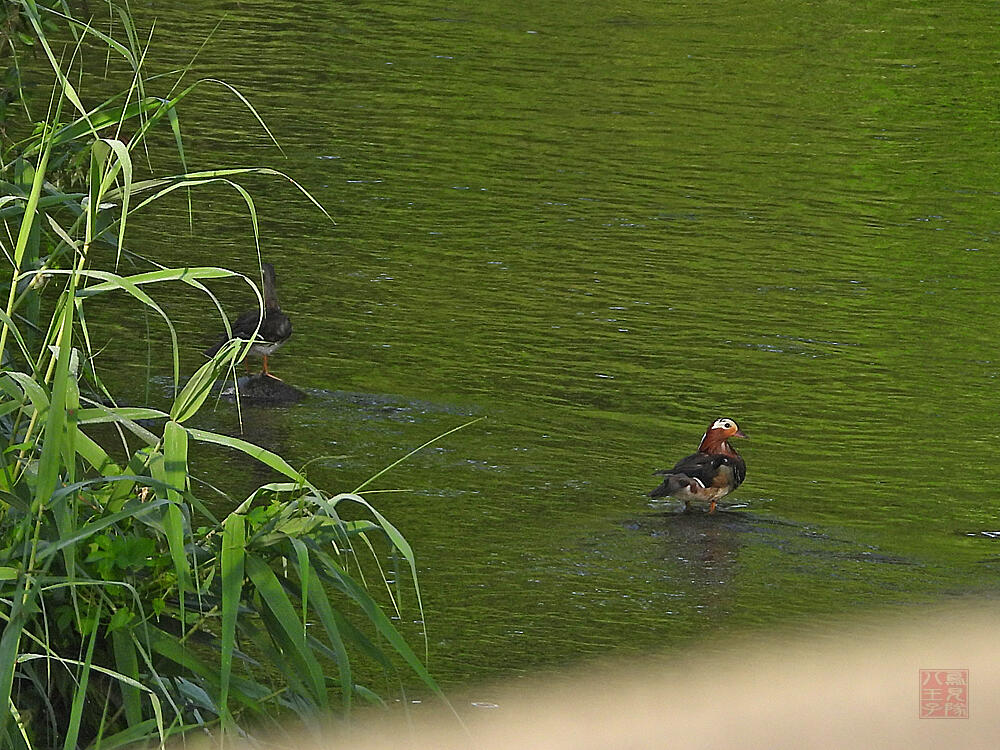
[(600, 227)]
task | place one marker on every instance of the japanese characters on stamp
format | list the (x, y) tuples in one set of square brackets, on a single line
[(944, 693)]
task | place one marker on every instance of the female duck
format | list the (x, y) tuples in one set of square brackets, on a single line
[(275, 328)]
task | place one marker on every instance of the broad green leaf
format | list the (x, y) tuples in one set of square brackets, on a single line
[(76, 486), (95, 455), (128, 664), (175, 475), (101, 414), (187, 275), (175, 451), (39, 398), (89, 529)]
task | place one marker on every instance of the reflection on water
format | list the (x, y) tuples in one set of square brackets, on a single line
[(602, 230)]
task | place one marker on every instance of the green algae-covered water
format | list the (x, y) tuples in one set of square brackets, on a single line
[(600, 227)]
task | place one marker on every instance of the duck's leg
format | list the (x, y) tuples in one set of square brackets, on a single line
[(267, 372), (711, 506)]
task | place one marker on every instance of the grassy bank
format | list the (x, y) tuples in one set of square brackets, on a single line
[(130, 611)]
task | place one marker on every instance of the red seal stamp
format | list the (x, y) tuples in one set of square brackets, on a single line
[(944, 693)]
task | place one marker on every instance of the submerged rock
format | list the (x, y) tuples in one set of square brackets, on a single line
[(264, 389)]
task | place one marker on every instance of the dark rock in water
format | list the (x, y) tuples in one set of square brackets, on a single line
[(264, 389)]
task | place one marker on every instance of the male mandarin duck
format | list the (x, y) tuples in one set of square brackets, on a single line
[(711, 473), (275, 328)]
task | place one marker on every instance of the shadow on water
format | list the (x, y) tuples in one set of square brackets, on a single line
[(335, 436), (265, 393), (709, 546)]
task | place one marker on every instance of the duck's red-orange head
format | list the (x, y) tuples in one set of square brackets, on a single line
[(717, 436)]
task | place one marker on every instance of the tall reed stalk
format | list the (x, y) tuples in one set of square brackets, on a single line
[(129, 611)]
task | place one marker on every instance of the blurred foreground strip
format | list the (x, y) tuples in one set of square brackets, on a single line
[(852, 685)]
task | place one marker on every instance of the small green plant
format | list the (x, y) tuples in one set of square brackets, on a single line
[(129, 611)]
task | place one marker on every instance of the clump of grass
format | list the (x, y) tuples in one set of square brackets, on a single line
[(129, 611)]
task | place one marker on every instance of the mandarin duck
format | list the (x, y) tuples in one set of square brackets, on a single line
[(275, 328), (711, 473)]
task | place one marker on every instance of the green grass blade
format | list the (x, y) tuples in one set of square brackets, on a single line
[(140, 734), (321, 606), (197, 390), (400, 543), (10, 643), (68, 90), (96, 456), (304, 570), (23, 238), (263, 455), (10, 325), (124, 164), (80, 694), (274, 598), (169, 647), (416, 450), (50, 461), (381, 622), (165, 185), (249, 106), (124, 284), (111, 42), (233, 543)]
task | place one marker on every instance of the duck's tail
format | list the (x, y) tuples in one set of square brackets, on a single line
[(671, 483)]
